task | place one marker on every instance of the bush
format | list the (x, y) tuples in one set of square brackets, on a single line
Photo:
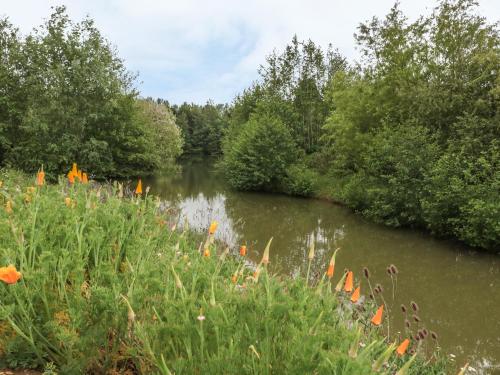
[(301, 181), (258, 158)]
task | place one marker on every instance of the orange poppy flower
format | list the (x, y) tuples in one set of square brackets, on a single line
[(85, 178), (349, 282), (79, 175), (377, 318), (234, 279), (74, 169), (329, 272), (40, 177), (355, 295), (213, 227), (9, 274), (243, 250), (138, 189), (71, 177), (206, 253), (402, 347)]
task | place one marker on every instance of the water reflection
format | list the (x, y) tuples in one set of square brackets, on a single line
[(455, 287)]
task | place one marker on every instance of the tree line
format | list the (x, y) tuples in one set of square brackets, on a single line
[(408, 136), (65, 96)]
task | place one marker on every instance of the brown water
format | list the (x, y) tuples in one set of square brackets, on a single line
[(456, 288)]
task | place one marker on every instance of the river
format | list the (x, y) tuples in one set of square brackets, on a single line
[(455, 287)]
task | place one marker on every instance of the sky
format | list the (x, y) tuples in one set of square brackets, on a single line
[(196, 50)]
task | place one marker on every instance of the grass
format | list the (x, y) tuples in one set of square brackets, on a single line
[(108, 287)]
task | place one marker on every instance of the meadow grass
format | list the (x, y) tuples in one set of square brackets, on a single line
[(108, 287)]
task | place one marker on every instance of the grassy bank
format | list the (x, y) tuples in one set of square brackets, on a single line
[(108, 286)]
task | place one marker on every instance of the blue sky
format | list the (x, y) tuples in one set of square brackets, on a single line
[(196, 50)]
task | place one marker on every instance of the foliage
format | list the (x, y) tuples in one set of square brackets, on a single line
[(107, 287), (66, 96), (414, 134), (159, 124), (409, 135), (259, 157), (202, 127)]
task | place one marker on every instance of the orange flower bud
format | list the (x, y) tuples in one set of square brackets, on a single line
[(243, 250)]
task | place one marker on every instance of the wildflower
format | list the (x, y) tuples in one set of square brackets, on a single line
[(377, 318), (8, 207), (74, 169), (213, 227), (206, 252), (40, 177), (138, 189), (201, 317), (85, 178), (79, 175), (331, 265), (243, 250), (30, 189), (67, 201), (9, 274), (234, 278), (403, 347), (71, 177), (265, 257), (348, 282), (355, 295), (330, 270)]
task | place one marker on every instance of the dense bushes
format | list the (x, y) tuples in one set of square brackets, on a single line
[(66, 96), (409, 135)]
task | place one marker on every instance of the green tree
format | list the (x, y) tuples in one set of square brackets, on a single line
[(260, 155)]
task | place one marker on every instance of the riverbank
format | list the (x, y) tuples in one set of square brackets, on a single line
[(108, 285)]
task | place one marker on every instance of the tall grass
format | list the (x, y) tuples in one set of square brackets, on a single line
[(108, 287)]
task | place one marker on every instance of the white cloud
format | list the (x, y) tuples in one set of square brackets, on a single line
[(170, 42)]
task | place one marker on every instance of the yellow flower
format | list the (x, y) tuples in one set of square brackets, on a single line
[(67, 201)]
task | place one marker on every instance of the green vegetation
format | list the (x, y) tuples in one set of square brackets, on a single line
[(202, 127), (66, 96), (108, 287), (409, 136)]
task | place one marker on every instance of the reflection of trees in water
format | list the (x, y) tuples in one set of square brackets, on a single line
[(291, 222)]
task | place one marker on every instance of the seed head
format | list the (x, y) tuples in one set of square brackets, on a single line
[(394, 269), (434, 335), (403, 308), (414, 306), (416, 318), (366, 272), (407, 323)]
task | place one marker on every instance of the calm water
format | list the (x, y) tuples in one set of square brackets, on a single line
[(456, 288)]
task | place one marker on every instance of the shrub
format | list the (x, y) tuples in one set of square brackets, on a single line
[(259, 156), (300, 180)]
